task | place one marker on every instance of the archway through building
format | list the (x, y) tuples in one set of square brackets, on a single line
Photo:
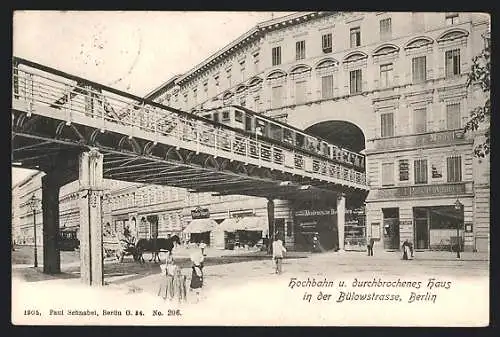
[(348, 136), (341, 133)]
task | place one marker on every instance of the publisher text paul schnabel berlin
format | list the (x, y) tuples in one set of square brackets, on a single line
[(356, 283)]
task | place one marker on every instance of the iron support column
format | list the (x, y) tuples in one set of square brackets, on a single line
[(50, 211), (91, 255), (341, 220), (270, 221)]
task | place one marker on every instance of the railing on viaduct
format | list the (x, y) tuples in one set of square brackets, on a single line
[(37, 89)]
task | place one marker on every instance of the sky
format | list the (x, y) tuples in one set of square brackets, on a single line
[(131, 51)]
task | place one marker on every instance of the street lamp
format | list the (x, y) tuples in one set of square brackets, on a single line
[(458, 207), (34, 204)]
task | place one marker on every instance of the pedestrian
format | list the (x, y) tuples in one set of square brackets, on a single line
[(278, 251), (369, 245), (179, 285), (202, 247), (196, 284), (406, 250), (166, 290)]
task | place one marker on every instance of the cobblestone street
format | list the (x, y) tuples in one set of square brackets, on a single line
[(242, 288)]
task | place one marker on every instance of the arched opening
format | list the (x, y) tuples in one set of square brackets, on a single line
[(340, 133)]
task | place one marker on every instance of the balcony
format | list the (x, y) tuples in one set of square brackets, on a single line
[(430, 139), (418, 191)]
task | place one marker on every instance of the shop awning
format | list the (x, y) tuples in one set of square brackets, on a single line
[(229, 225), (253, 223), (200, 226)]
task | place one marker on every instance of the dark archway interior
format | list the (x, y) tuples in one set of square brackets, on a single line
[(341, 133)]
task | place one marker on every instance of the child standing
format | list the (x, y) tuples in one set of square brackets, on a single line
[(197, 274)]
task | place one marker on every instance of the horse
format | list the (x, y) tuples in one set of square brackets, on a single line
[(155, 246)]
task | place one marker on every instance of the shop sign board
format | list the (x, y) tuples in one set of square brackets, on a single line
[(200, 213)]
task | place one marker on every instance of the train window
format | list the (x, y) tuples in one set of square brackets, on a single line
[(248, 123), (275, 132), (225, 116), (216, 116), (299, 140), (288, 136), (238, 116)]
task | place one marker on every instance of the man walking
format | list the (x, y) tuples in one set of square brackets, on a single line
[(369, 245), (278, 250)]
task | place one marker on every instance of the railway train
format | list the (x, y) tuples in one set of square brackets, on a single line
[(67, 240), (260, 126)]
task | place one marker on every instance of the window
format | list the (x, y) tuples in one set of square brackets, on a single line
[(419, 70), (229, 78), (300, 50), (452, 62), (420, 166), (453, 116), (387, 174), (238, 116), (277, 95), (385, 28), (355, 81), (404, 170), (300, 92), (420, 120), (256, 102), (216, 78), (205, 86), (276, 56), (454, 165), (216, 117), (326, 43), (386, 71), (387, 125), (355, 37), (451, 19), (256, 62), (327, 86), (437, 169), (225, 116), (242, 70), (185, 98)]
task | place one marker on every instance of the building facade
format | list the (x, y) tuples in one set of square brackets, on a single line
[(389, 84)]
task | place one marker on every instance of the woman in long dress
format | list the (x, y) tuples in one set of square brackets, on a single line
[(179, 285)]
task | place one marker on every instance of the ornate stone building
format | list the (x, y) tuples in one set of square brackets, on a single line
[(392, 84)]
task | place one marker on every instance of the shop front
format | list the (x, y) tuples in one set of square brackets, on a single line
[(355, 229), (316, 230)]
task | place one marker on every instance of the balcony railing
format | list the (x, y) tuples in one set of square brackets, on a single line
[(447, 137)]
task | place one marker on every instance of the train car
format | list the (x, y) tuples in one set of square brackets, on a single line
[(258, 125), (67, 240)]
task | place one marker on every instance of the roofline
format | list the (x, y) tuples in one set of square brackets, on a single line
[(156, 92), (25, 180), (250, 34)]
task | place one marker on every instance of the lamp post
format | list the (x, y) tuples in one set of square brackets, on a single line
[(458, 207), (34, 205)]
